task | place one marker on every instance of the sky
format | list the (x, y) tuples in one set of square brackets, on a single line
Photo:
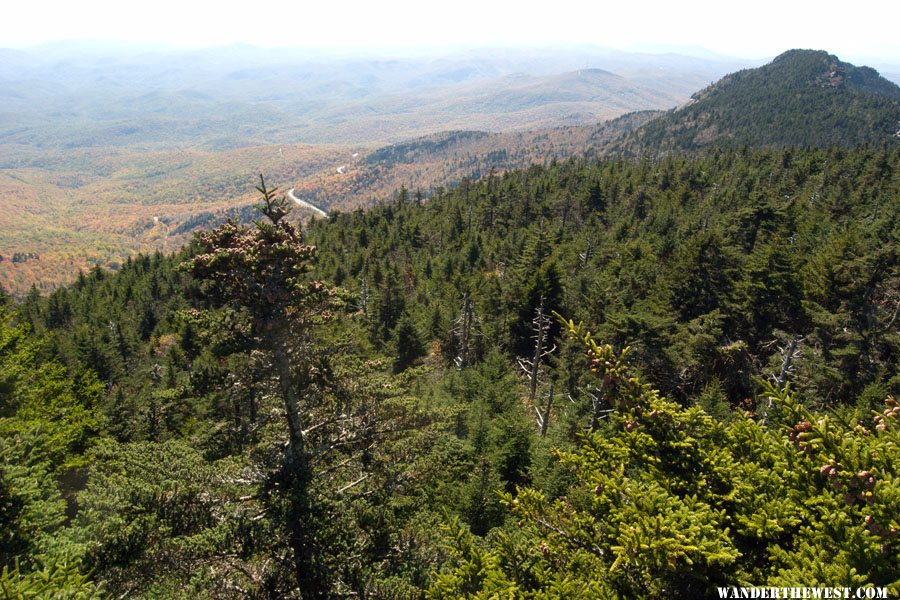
[(856, 31)]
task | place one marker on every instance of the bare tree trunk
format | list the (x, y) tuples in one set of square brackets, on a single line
[(463, 331), (297, 475), (252, 408), (788, 354), (540, 331), (289, 395), (545, 418)]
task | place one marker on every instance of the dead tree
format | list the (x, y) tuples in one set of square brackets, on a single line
[(464, 332), (544, 415), (597, 404), (363, 301), (585, 257), (789, 354), (532, 367)]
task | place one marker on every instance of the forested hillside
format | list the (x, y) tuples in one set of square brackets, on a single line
[(140, 186), (801, 98), (388, 405), (443, 160), (752, 245)]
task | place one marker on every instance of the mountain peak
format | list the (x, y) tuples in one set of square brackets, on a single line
[(827, 70), (801, 98), (801, 53)]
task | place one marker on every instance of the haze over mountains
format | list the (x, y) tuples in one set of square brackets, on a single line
[(70, 96), (109, 151)]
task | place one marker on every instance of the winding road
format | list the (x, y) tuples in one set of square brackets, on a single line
[(306, 204)]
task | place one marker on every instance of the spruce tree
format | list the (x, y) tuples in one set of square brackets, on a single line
[(263, 271)]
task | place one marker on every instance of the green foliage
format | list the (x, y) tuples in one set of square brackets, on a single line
[(197, 426), (669, 503), (408, 346), (56, 579), (159, 512), (698, 263), (46, 424)]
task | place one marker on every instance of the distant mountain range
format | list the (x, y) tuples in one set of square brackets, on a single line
[(73, 96)]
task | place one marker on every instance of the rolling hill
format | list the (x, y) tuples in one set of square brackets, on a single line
[(71, 96)]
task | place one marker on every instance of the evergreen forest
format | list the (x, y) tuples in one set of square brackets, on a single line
[(600, 377)]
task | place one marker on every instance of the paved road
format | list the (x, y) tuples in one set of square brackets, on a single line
[(306, 204)]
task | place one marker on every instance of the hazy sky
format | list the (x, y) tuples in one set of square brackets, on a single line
[(862, 29)]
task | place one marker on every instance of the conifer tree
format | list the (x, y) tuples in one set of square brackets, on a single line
[(263, 271)]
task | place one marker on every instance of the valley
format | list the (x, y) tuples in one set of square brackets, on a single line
[(105, 155)]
